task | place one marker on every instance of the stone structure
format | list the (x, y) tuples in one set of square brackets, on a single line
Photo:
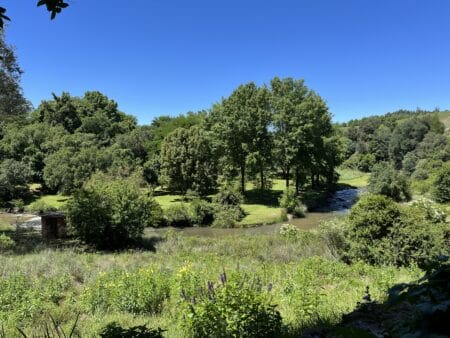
[(53, 225)]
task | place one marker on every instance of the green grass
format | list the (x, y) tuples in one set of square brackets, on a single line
[(57, 201), (308, 281), (353, 178), (167, 200), (260, 214)]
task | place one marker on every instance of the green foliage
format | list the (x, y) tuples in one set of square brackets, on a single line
[(290, 201), (387, 181), (240, 128), (441, 185), (381, 232), (6, 243), (14, 176), (289, 231), (228, 196), (179, 215), (237, 307), (110, 214), (140, 292), (40, 207), (203, 212), (370, 221), (226, 217), (13, 105), (188, 161), (114, 330)]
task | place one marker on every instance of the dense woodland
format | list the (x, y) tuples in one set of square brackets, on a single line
[(121, 272)]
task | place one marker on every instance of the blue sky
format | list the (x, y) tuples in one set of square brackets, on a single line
[(363, 57)]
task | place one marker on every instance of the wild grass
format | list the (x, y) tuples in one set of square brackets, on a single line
[(309, 284)]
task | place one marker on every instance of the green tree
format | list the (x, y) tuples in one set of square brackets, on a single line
[(68, 168), (14, 177), (405, 137), (441, 185), (387, 181), (240, 126), (188, 161), (13, 104), (302, 124)]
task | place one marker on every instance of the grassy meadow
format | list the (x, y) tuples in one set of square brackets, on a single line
[(310, 286)]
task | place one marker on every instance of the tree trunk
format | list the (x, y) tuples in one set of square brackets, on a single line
[(261, 172), (243, 179), (297, 181), (287, 177)]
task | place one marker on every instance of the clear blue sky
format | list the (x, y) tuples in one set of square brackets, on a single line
[(153, 57)]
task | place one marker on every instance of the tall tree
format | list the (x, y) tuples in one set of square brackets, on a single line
[(188, 162), (13, 105), (240, 124), (302, 122)]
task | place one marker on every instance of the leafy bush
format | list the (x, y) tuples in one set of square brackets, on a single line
[(19, 204), (226, 217), (413, 240), (6, 243), (429, 211), (228, 196), (292, 204), (370, 221), (179, 215), (141, 292), (441, 185), (238, 307), (111, 214), (381, 232), (202, 212), (40, 207), (387, 181), (114, 330)]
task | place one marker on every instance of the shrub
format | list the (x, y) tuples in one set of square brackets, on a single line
[(428, 210), (289, 231), (202, 212), (226, 217), (292, 204), (228, 197), (19, 205), (381, 232), (370, 220), (413, 240), (40, 207), (141, 292), (387, 181), (114, 330), (441, 185), (111, 214), (238, 307), (179, 215), (6, 243)]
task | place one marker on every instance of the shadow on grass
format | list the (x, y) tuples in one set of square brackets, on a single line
[(31, 241), (418, 309), (268, 198)]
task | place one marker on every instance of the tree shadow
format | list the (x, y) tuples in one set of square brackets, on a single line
[(418, 309), (268, 198)]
